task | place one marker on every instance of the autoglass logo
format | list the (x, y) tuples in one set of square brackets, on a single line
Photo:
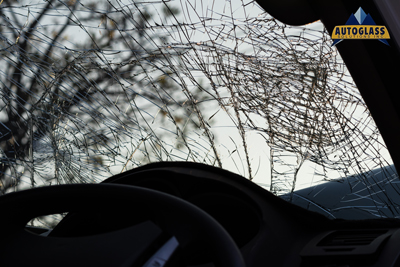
[(360, 26)]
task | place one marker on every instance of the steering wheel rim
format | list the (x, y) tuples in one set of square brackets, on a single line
[(20, 207)]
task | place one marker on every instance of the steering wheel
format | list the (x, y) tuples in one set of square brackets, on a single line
[(131, 246)]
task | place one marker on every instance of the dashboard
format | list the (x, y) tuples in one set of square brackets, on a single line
[(268, 230)]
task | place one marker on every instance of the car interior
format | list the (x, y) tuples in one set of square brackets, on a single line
[(192, 214)]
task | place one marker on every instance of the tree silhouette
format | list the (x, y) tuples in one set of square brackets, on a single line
[(83, 85)]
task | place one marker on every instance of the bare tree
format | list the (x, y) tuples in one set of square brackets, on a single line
[(83, 86)]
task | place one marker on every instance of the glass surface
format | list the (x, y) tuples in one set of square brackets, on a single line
[(93, 88)]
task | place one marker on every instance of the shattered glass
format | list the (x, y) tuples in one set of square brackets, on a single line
[(93, 88)]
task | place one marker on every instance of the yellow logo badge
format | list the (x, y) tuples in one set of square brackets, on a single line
[(360, 26)]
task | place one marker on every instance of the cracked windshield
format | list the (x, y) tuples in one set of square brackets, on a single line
[(90, 89)]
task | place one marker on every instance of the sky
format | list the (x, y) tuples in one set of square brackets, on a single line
[(213, 14)]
